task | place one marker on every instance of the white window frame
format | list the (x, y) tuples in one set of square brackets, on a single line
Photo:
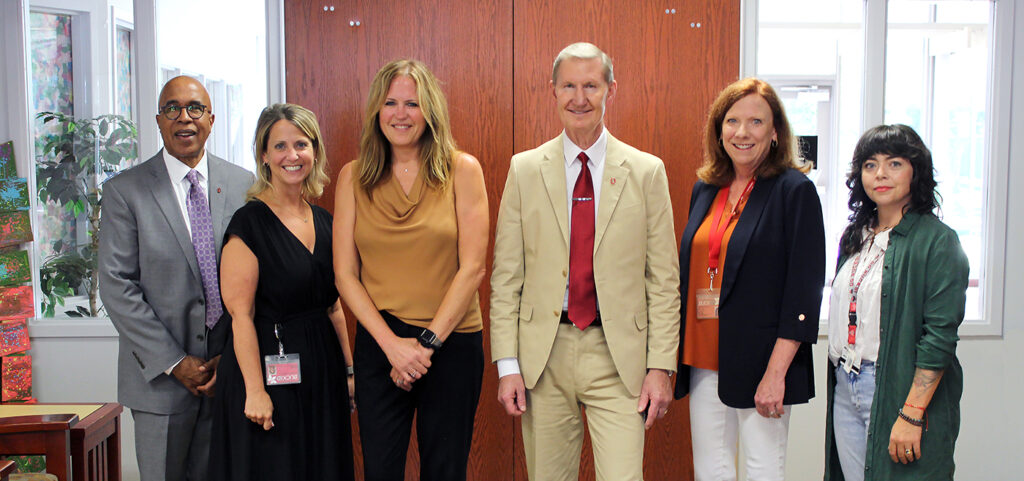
[(992, 278)]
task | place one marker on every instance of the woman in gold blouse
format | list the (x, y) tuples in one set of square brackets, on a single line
[(410, 236)]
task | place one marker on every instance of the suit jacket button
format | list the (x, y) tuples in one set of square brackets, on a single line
[(801, 317), (558, 314), (199, 337), (565, 273), (202, 301)]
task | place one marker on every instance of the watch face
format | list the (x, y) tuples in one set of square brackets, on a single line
[(429, 339)]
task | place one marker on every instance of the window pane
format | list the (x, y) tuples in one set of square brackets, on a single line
[(237, 83), (52, 91), (123, 73), (78, 144), (813, 53), (937, 82)]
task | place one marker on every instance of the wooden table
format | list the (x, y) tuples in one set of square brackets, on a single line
[(87, 435)]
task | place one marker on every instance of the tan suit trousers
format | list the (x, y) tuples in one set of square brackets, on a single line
[(580, 375)]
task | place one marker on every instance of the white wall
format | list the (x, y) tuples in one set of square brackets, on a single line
[(71, 368)]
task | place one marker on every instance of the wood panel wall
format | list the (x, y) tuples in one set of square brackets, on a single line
[(494, 59)]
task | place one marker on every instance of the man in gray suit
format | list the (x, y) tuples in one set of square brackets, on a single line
[(160, 238)]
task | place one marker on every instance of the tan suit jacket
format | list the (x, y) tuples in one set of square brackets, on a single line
[(636, 268)]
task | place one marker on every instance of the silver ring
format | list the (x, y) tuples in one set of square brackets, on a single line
[(771, 413)]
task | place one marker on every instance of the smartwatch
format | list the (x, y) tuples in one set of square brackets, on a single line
[(429, 340)]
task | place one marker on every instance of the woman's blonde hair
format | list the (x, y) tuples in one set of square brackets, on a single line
[(305, 121), (717, 168), (437, 146)]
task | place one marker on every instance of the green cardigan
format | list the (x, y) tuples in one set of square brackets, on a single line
[(924, 284)]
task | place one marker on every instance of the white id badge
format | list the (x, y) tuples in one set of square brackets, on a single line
[(850, 360), (707, 303), (282, 369)]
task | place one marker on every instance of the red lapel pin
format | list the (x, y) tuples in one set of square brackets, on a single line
[(613, 180)]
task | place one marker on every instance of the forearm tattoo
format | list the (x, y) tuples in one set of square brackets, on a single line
[(925, 379)]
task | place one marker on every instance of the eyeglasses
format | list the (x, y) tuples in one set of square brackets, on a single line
[(172, 112)]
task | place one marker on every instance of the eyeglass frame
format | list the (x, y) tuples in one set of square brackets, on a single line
[(179, 108)]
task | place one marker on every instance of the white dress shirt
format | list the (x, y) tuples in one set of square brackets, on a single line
[(176, 171), (869, 302), (597, 153)]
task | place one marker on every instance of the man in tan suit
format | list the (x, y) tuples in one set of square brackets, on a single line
[(585, 286)]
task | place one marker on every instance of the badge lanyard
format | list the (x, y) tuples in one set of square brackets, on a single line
[(851, 336), (707, 299), (718, 231)]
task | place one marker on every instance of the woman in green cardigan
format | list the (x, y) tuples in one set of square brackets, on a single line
[(894, 382)]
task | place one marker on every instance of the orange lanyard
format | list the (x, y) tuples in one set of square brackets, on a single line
[(718, 228)]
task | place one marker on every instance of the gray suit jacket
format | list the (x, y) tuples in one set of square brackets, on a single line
[(149, 277)]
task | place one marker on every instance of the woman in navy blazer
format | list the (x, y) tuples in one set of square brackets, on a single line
[(750, 358)]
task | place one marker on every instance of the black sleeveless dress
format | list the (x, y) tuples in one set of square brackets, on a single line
[(311, 437)]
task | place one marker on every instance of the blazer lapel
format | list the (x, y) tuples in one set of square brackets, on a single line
[(744, 231), (614, 168), (701, 203), (552, 170), (165, 199), (218, 200)]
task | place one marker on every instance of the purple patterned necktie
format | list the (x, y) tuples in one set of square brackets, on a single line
[(202, 241)]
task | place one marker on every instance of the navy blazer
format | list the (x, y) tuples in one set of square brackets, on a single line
[(773, 277)]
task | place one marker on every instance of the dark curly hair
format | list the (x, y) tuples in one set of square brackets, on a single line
[(895, 140)]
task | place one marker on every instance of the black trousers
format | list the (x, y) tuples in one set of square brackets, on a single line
[(443, 401)]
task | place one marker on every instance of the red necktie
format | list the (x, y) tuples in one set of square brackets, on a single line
[(582, 292)]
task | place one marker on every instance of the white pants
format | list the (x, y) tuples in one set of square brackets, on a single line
[(716, 429)]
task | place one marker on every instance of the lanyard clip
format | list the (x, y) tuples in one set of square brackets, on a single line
[(280, 346), (711, 273)]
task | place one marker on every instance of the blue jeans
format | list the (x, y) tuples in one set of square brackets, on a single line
[(851, 416)]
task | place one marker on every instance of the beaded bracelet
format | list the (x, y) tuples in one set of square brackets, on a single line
[(912, 421)]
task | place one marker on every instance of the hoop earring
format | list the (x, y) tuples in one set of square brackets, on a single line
[(774, 143)]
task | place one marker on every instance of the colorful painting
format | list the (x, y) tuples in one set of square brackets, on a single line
[(14, 268), (14, 337), (16, 302), (7, 166), (17, 377), (15, 228), (13, 194), (123, 72)]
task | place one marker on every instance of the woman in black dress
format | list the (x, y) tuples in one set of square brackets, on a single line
[(277, 281)]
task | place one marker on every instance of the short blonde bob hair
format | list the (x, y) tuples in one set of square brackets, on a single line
[(305, 121), (437, 146), (717, 168)]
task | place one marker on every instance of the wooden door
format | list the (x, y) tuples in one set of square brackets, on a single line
[(330, 62), (668, 73), (494, 59)]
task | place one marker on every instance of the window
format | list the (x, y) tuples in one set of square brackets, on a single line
[(82, 108), (823, 58), (237, 83), (939, 53)]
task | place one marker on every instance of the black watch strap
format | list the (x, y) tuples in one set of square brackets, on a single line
[(429, 340)]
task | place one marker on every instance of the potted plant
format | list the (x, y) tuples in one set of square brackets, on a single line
[(76, 157)]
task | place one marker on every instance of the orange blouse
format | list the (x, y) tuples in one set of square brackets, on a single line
[(700, 345)]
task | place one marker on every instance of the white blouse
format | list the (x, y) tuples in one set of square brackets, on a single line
[(869, 302)]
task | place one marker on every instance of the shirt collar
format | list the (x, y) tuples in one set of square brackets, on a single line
[(596, 152), (178, 169)]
